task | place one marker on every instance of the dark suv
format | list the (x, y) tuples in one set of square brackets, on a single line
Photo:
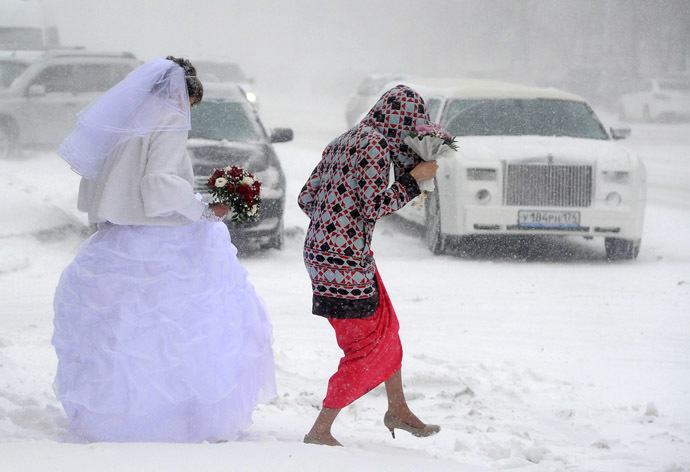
[(40, 106), (226, 130)]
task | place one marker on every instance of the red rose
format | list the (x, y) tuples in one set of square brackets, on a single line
[(247, 193), (235, 172)]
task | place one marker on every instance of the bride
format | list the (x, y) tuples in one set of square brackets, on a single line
[(159, 334)]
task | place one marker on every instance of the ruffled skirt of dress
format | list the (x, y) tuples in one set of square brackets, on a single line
[(160, 337)]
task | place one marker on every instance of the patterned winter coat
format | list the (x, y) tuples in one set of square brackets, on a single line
[(348, 192)]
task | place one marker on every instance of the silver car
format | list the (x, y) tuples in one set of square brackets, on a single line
[(39, 107)]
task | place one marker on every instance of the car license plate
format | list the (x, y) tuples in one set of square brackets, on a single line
[(548, 219)]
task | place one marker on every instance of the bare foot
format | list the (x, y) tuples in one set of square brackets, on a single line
[(322, 439)]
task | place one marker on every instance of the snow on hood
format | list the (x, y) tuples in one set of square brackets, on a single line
[(539, 148)]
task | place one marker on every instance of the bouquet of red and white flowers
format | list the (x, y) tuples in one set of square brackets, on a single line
[(431, 142), (238, 189)]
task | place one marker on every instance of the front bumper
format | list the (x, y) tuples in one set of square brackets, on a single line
[(620, 222), (265, 228)]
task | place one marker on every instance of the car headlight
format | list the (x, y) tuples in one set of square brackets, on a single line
[(481, 174), (270, 181), (619, 177), (257, 162), (251, 97)]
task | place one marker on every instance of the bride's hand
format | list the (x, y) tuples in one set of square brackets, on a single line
[(220, 209)]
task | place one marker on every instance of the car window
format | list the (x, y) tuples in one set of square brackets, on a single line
[(675, 86), (56, 79), (231, 121), (98, 77), (81, 78), (521, 117), (9, 71)]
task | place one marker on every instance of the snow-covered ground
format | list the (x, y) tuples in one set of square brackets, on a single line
[(544, 358)]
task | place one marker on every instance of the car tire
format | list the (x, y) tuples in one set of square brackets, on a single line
[(618, 249), (6, 142), (433, 235), (278, 239)]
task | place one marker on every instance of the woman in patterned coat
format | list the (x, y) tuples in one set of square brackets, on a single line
[(345, 195)]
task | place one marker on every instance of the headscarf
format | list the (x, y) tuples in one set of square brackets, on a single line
[(153, 97), (399, 111)]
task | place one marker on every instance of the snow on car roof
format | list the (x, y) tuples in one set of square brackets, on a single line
[(481, 88)]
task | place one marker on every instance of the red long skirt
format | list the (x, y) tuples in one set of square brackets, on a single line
[(372, 349)]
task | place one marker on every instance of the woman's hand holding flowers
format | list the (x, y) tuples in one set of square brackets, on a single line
[(220, 209), (424, 171)]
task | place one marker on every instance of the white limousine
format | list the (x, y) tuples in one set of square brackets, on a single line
[(529, 161)]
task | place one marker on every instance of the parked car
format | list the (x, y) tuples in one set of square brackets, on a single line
[(366, 95), (530, 161), (226, 130), (225, 70), (39, 107), (657, 99)]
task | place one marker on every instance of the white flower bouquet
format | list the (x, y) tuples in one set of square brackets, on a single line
[(431, 142)]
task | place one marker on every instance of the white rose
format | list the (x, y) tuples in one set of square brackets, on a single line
[(228, 168), (247, 181), (221, 181)]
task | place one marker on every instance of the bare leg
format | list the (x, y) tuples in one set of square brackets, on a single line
[(321, 431), (397, 404)]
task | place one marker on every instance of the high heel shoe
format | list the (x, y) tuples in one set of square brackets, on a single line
[(391, 421)]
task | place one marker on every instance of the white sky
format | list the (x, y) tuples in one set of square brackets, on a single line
[(307, 45)]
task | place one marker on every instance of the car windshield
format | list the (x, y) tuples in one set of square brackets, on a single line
[(521, 117), (220, 121), (222, 71), (10, 70)]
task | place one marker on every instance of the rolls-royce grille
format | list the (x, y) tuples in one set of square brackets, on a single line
[(548, 185)]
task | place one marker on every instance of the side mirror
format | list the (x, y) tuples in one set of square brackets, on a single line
[(36, 90), (620, 131), (282, 135)]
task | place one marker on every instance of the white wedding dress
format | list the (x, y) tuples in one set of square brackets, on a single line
[(160, 336)]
